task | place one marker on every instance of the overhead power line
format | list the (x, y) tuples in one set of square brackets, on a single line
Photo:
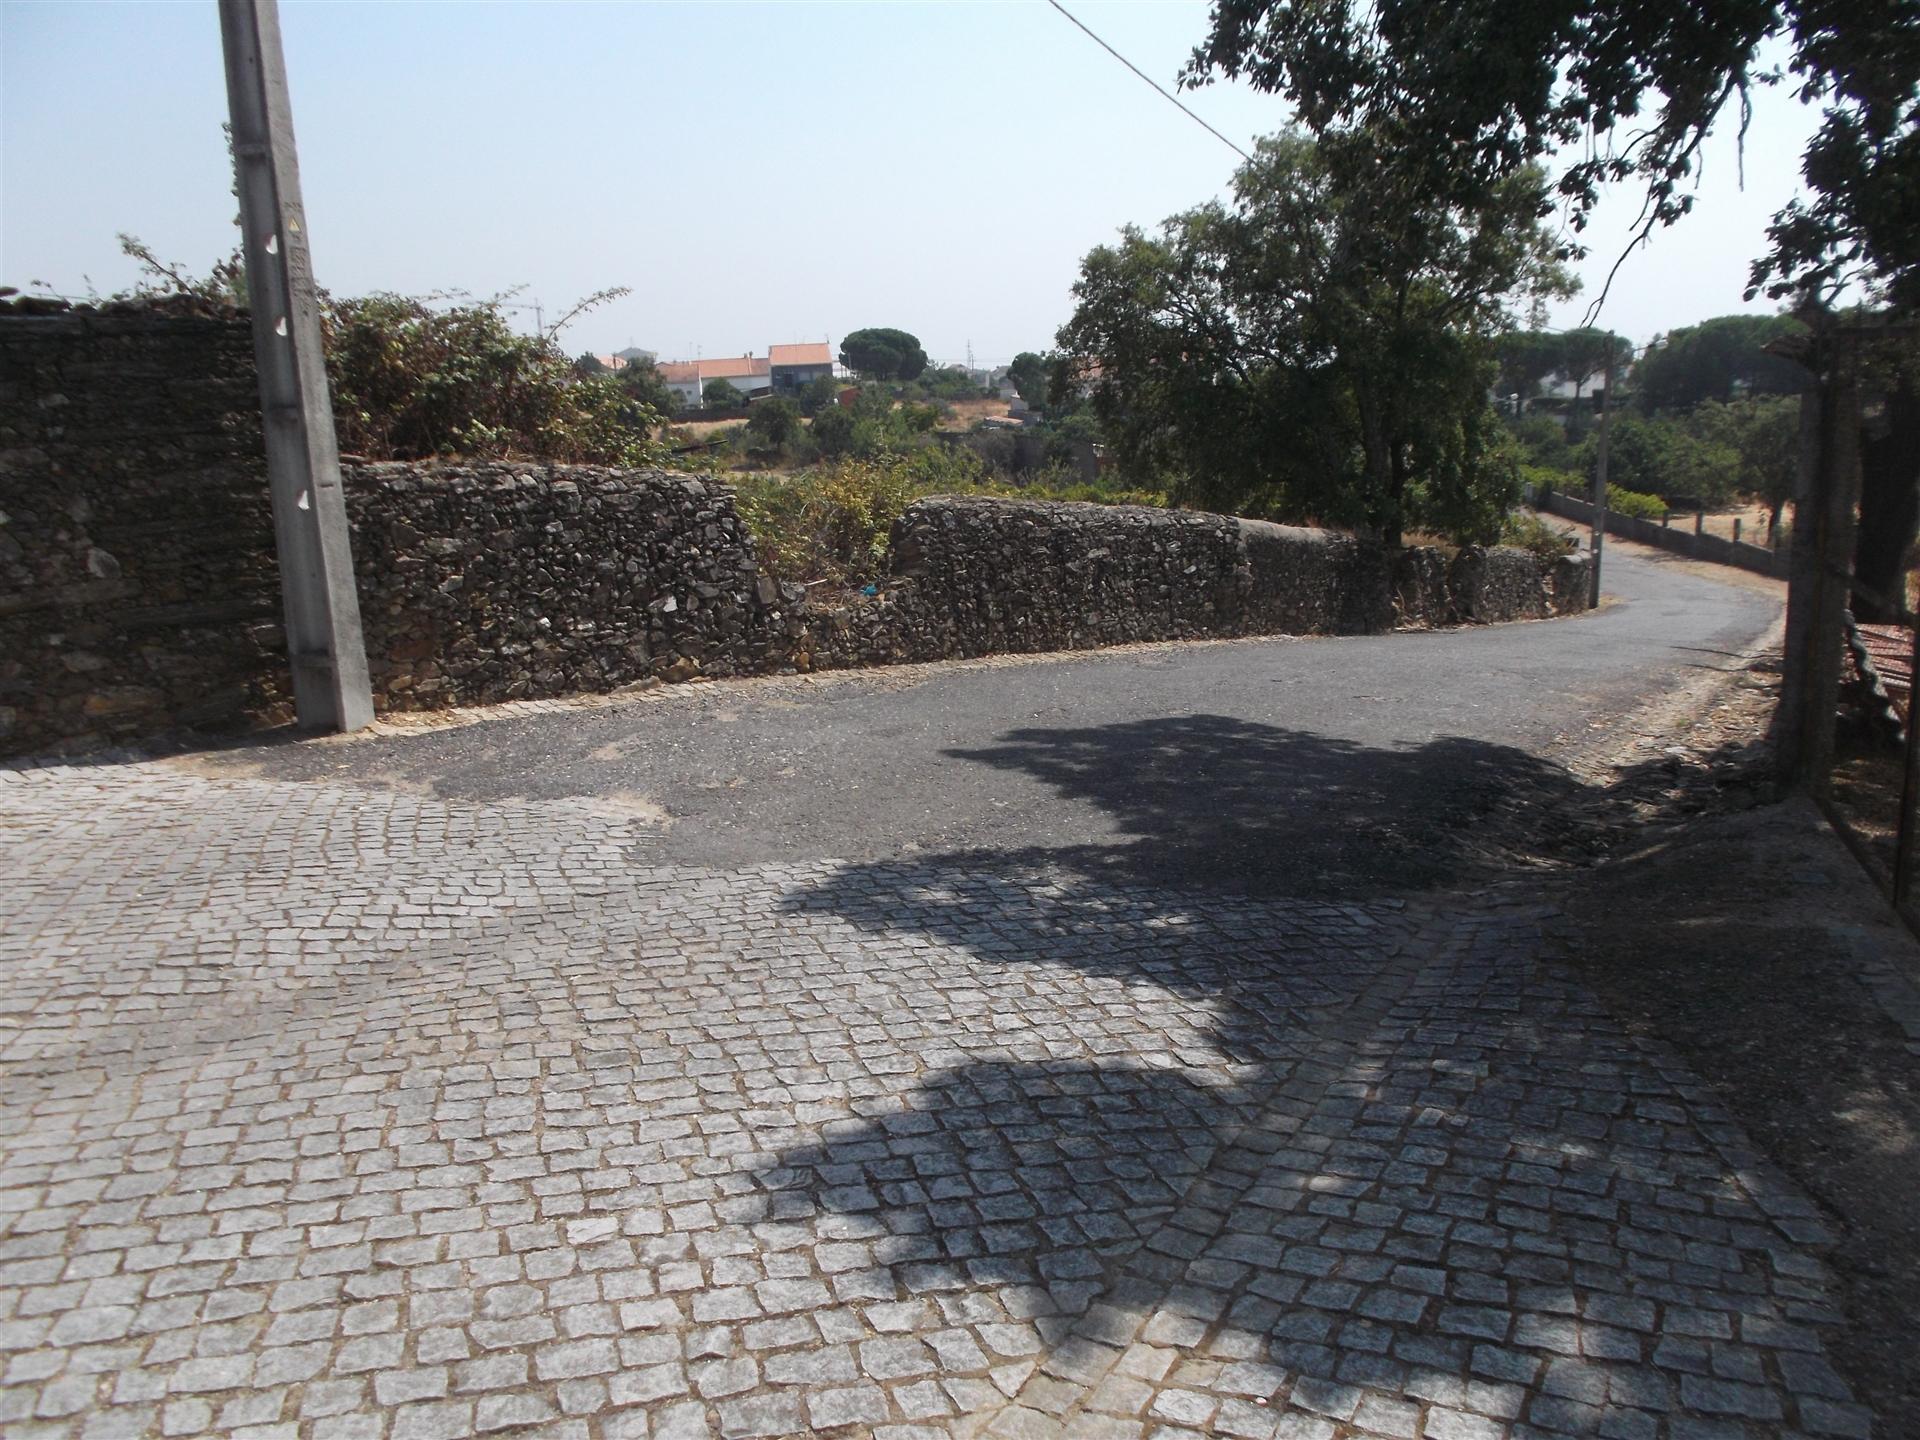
[(1170, 97)]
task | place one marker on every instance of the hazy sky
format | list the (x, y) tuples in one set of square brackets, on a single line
[(756, 173)]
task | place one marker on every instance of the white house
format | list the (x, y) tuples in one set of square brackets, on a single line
[(689, 379)]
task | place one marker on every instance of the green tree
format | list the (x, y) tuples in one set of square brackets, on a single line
[(642, 380), (1583, 355), (1659, 455), (1764, 431), (883, 354), (1526, 358), (1889, 494), (1716, 360), (1030, 375), (1322, 347), (722, 395), (818, 393), (948, 383), (1473, 91), (774, 422), (833, 431), (589, 365)]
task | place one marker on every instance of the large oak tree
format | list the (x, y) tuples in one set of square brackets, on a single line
[(1322, 347)]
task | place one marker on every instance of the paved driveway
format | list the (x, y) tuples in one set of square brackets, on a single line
[(1093, 1046)]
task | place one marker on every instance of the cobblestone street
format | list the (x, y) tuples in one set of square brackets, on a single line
[(335, 1111)]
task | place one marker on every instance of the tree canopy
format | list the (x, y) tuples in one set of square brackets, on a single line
[(883, 354), (1321, 347), (1030, 374), (1717, 359), (1473, 91)]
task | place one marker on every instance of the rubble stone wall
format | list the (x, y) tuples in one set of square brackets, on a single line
[(489, 582), (980, 576), (138, 591)]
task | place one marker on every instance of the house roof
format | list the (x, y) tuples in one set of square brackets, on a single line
[(816, 353), (733, 367)]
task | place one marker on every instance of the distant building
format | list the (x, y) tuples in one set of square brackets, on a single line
[(689, 379), (794, 367), (632, 354)]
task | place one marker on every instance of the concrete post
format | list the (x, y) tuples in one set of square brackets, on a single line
[(324, 643)]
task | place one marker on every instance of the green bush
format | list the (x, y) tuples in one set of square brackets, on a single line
[(825, 525), (411, 381), (1635, 504), (831, 524), (1544, 478), (774, 422), (1527, 531), (833, 431)]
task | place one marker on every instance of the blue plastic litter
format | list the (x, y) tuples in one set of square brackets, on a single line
[(869, 589)]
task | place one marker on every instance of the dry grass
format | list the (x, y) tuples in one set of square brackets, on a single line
[(706, 429), (965, 412)]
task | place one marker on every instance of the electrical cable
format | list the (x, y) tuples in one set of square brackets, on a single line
[(1165, 93)]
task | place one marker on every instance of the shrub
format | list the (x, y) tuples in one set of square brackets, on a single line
[(818, 394), (411, 381), (828, 524), (1529, 532), (833, 431), (831, 524), (1544, 478), (1635, 504), (774, 422)]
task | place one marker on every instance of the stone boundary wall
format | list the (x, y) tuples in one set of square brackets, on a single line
[(496, 581), (981, 576), (138, 590), (1716, 548)]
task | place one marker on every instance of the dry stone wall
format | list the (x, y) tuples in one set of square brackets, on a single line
[(980, 576), (490, 582), (138, 591)]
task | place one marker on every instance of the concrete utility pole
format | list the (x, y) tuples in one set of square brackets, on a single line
[(1599, 541), (324, 644)]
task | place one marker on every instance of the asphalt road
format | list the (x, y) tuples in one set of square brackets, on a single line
[(1290, 766)]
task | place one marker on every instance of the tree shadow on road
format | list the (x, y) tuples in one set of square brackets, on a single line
[(1223, 1101)]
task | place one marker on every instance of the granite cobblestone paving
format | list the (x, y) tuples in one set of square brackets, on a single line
[(331, 1112)]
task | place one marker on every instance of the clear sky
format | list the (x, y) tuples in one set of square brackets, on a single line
[(756, 173)]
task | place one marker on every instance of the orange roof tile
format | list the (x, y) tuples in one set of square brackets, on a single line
[(816, 353), (733, 367)]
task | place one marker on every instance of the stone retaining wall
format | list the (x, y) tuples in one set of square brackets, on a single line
[(980, 576), (491, 582), (138, 590)]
